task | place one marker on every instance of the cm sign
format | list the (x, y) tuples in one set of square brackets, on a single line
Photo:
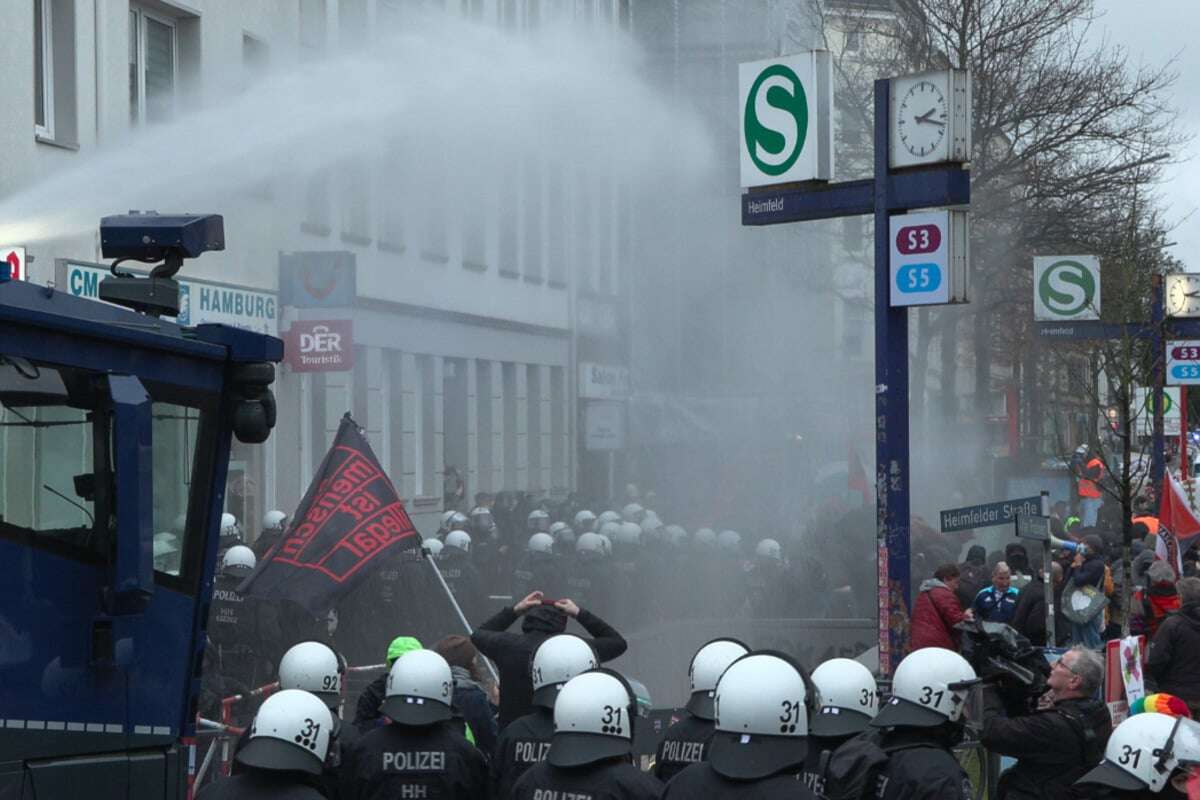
[(786, 119), (1066, 288)]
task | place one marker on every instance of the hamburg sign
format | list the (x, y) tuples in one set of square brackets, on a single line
[(787, 119)]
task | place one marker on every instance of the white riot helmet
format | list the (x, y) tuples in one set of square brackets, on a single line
[(458, 521), (313, 667), (593, 719), (418, 689), (166, 552), (632, 513), (605, 544), (541, 543), (589, 544), (849, 698), (610, 529), (564, 537), (229, 526), (628, 534), (459, 540), (930, 687), (556, 527), (446, 517), (538, 521), (239, 560), (290, 733), (729, 541), (1144, 751), (433, 546), (761, 718), (556, 661), (769, 549), (710, 661), (585, 521), (274, 520), (705, 538), (607, 517), (675, 535), (482, 520)]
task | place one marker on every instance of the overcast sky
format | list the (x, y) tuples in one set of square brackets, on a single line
[(1154, 31)]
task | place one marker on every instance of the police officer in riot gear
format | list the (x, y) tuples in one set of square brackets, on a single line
[(421, 752), (538, 569), (605, 518), (921, 723), (591, 748), (849, 701), (585, 522), (460, 573), (764, 589), (1149, 757), (231, 535), (761, 738), (274, 524), (584, 570), (244, 629), (564, 540), (284, 755), (538, 521), (526, 740), (687, 740)]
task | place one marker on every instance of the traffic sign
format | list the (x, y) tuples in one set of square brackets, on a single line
[(988, 514), (15, 257), (786, 125), (1033, 526), (929, 258), (1183, 362), (1066, 288), (1143, 409)]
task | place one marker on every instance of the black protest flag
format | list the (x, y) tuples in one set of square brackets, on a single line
[(349, 519)]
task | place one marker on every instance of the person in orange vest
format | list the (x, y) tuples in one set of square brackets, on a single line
[(1090, 498)]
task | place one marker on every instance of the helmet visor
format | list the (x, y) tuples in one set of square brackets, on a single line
[(577, 749), (700, 704), (836, 721), (265, 752), (747, 758), (901, 712), (1108, 774)]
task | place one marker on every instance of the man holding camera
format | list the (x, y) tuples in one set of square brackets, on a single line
[(1055, 745)]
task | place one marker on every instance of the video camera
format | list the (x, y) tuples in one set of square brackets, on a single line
[(1003, 657), (152, 237)]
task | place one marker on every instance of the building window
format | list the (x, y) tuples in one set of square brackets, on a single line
[(153, 67), (43, 69)]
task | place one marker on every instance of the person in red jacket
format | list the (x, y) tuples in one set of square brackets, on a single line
[(938, 611)]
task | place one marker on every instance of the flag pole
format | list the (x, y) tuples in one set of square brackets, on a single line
[(457, 608)]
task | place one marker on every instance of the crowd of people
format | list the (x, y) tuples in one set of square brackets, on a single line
[(556, 724)]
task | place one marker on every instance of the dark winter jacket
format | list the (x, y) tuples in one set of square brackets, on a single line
[(257, 784), (471, 702), (1089, 573), (920, 767), (683, 744), (366, 711), (429, 761), (611, 779), (936, 613), (513, 652), (1174, 664), (1029, 618), (702, 781), (522, 744), (1053, 748)]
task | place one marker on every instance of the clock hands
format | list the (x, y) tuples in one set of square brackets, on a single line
[(924, 119)]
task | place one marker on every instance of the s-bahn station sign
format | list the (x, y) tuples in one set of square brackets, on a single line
[(786, 120)]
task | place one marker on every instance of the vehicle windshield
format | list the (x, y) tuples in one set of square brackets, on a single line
[(54, 430)]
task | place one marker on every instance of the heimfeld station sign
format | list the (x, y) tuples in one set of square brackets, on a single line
[(786, 119), (1066, 288)]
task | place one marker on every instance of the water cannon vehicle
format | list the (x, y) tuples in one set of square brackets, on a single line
[(116, 426)]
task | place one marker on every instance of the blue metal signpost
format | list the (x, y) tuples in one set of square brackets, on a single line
[(886, 194)]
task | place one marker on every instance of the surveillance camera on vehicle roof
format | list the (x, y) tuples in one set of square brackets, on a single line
[(152, 237)]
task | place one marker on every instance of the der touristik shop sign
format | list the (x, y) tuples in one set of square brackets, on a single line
[(325, 345)]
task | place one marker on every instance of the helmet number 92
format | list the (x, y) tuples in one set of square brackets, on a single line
[(931, 698), (329, 683), (1128, 754)]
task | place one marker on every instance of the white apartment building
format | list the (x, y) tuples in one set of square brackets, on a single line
[(464, 345)]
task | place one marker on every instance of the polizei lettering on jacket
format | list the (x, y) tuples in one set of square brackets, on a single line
[(531, 751), (683, 752), (418, 761), (555, 794)]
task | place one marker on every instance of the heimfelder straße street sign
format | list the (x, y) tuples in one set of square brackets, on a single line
[(988, 514)]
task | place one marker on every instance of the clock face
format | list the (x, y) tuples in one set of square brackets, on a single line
[(1183, 295), (922, 119)]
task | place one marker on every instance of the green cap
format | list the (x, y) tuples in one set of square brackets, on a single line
[(399, 646)]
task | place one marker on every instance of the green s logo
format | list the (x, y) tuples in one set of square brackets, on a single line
[(1067, 288), (775, 120)]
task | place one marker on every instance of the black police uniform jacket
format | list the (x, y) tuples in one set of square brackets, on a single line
[(254, 784), (702, 781), (245, 631), (609, 779), (920, 766), (683, 744), (1053, 748), (523, 743), (513, 652), (432, 762), (816, 762)]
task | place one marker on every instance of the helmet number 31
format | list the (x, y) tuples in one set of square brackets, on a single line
[(1128, 754), (930, 697)]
